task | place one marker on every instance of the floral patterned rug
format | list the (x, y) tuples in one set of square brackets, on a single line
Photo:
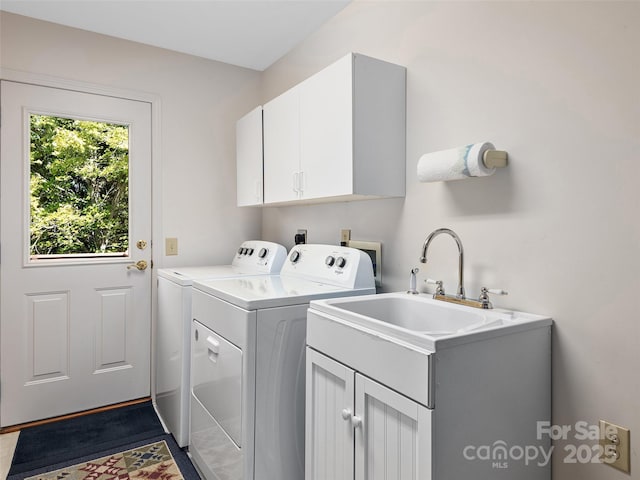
[(149, 462)]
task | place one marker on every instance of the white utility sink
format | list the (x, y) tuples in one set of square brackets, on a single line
[(421, 320)]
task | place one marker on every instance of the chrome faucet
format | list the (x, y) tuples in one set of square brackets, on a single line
[(459, 298), (425, 247)]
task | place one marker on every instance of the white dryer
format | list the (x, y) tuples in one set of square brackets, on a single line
[(174, 325), (248, 366)]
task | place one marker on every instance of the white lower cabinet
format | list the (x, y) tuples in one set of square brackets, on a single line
[(357, 428)]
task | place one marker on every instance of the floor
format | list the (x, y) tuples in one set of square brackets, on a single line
[(7, 446)]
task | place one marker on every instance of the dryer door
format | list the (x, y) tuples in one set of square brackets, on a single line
[(217, 379)]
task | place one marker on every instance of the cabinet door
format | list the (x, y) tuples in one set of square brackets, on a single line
[(329, 436), (326, 131), (393, 442), (282, 147), (249, 158)]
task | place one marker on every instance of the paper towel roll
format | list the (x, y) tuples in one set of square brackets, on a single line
[(455, 163)]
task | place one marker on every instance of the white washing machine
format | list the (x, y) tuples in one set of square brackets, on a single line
[(248, 366), (174, 325)]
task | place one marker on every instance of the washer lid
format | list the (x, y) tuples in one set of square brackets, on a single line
[(268, 291), (186, 275)]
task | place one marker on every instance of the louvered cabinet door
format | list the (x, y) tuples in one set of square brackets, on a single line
[(393, 440), (329, 408)]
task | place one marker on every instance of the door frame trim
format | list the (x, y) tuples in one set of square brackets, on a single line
[(44, 80)]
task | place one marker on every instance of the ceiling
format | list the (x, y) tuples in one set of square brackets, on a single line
[(248, 33)]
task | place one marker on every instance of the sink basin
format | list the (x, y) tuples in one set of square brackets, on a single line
[(397, 339), (416, 313), (421, 320)]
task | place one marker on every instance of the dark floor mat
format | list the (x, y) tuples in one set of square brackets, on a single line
[(68, 440)]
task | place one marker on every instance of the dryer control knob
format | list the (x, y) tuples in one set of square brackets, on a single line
[(250, 251), (240, 251), (329, 261), (295, 256), (341, 262), (263, 252)]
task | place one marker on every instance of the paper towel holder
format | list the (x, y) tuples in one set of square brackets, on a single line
[(495, 159)]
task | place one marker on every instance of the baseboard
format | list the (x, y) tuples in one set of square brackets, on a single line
[(22, 426)]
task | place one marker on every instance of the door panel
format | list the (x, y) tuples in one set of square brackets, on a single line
[(75, 329), (326, 131), (282, 147), (394, 440), (329, 436)]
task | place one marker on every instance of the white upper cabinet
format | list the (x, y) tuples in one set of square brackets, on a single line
[(339, 135), (249, 158), (282, 147)]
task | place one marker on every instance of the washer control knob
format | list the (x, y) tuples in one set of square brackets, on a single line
[(329, 261), (250, 251), (240, 251), (263, 252), (295, 256), (341, 262)]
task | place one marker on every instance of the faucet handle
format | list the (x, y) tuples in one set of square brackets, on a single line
[(495, 291), (484, 295), (438, 283)]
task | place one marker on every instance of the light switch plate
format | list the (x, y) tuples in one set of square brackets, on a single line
[(171, 246)]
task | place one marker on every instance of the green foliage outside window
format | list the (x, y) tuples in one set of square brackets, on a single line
[(79, 186)]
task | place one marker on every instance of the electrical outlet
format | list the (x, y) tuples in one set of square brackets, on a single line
[(345, 236), (615, 446), (170, 246), (301, 237)]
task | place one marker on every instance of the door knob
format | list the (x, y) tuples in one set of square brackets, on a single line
[(140, 265)]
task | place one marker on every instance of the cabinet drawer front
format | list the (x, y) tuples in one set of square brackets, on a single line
[(394, 439), (373, 355)]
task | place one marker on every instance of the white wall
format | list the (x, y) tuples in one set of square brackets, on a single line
[(200, 101), (557, 85)]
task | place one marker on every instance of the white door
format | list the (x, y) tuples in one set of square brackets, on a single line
[(75, 327), (393, 442), (329, 409)]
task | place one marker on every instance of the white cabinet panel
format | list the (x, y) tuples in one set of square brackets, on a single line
[(249, 158), (394, 439), (326, 133), (329, 437), (282, 147)]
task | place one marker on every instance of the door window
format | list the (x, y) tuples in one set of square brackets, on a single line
[(78, 188)]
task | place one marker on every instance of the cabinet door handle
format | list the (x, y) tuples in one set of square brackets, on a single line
[(295, 182), (258, 191), (348, 415), (356, 421)]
